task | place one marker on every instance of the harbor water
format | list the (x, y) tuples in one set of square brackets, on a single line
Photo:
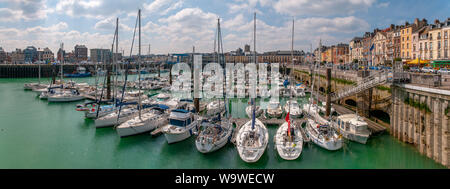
[(37, 134)]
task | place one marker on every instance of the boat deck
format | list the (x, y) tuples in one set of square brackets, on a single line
[(374, 127)]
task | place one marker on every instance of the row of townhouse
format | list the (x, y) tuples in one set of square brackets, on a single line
[(408, 42)]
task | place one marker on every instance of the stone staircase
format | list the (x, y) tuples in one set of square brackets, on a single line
[(378, 78)]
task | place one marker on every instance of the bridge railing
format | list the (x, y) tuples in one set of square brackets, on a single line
[(377, 78)]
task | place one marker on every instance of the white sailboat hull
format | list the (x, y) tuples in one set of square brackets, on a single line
[(248, 153), (274, 113), (109, 122), (210, 146), (173, 137), (258, 112), (130, 130), (65, 99), (288, 150), (331, 144)]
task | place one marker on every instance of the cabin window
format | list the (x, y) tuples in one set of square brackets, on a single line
[(188, 121), (347, 126)]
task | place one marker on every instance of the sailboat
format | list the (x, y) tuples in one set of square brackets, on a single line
[(67, 94), (35, 86), (319, 129), (143, 122), (252, 137), (214, 108), (123, 111), (249, 111), (217, 132), (293, 108), (274, 109), (299, 90), (288, 139), (149, 121), (39, 87)]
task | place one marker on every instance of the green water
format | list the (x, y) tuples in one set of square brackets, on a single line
[(38, 134)]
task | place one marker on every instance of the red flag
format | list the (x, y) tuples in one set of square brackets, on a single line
[(289, 124)]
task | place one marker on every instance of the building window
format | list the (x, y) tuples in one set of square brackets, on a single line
[(439, 45), (414, 47)]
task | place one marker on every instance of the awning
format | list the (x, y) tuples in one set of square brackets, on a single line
[(416, 61), (439, 63)]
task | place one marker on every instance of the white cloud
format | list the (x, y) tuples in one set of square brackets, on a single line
[(179, 32), (162, 7), (174, 6), (383, 5), (51, 37), (321, 7), (247, 6), (307, 30), (97, 9), (27, 10), (9, 15), (110, 25)]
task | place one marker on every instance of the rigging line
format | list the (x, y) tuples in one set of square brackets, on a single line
[(126, 71), (104, 80)]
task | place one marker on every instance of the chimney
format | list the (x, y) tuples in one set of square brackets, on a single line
[(416, 21), (406, 23), (436, 21)]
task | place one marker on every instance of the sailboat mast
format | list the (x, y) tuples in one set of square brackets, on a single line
[(254, 59), (39, 73), (218, 47), (222, 59), (139, 62), (62, 62), (292, 64), (115, 58), (318, 74)]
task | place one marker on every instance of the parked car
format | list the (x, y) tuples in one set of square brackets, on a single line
[(374, 68), (428, 70), (414, 69), (443, 71)]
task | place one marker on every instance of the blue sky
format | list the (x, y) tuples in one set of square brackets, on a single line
[(174, 26)]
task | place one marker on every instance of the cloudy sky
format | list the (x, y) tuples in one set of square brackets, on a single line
[(174, 26)]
